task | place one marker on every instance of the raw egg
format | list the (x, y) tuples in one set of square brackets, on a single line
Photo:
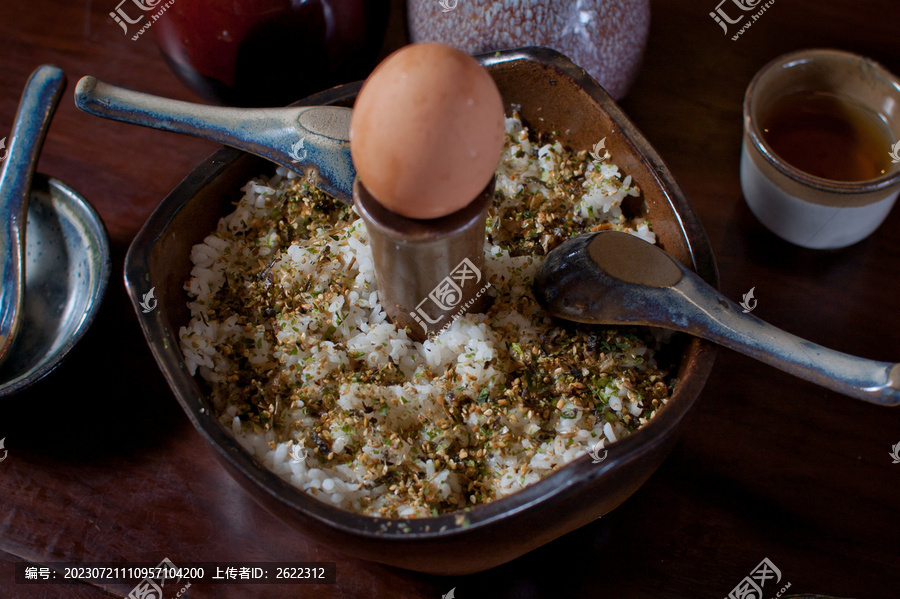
[(427, 131)]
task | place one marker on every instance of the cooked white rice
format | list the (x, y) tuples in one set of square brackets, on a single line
[(310, 376)]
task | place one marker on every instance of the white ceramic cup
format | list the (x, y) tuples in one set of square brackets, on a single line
[(806, 210)]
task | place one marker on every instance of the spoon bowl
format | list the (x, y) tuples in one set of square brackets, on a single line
[(616, 278)]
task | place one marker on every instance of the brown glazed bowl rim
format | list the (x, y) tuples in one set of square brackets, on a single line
[(792, 60), (566, 481)]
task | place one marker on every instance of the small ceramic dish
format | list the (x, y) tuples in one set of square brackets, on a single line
[(66, 270), (806, 210), (554, 96)]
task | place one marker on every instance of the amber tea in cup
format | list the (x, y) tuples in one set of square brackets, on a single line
[(828, 136), (819, 133)]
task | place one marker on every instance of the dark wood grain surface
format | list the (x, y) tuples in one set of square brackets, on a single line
[(103, 465)]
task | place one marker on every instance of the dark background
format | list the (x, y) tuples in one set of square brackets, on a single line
[(104, 466)]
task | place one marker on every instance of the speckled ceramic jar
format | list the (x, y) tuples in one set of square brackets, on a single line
[(604, 37)]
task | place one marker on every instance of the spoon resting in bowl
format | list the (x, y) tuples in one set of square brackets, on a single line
[(39, 100), (298, 138), (616, 278)]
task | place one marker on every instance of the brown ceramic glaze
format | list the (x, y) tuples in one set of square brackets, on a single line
[(632, 260), (554, 95)]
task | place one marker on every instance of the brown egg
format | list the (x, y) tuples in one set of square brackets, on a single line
[(427, 131)]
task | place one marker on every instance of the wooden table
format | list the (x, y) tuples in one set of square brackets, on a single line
[(103, 465)]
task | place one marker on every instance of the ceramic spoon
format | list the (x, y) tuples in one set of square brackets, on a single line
[(38, 103), (617, 278), (298, 138)]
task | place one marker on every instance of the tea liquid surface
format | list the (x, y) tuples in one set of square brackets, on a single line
[(828, 136)]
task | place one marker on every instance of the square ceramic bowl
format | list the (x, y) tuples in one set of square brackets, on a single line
[(554, 95)]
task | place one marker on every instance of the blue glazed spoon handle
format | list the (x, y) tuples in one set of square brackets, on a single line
[(36, 108), (705, 313), (298, 138)]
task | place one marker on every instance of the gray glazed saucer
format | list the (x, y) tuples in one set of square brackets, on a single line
[(67, 267)]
